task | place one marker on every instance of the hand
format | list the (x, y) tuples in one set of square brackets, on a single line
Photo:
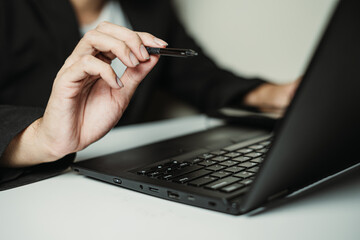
[(272, 98), (87, 98)]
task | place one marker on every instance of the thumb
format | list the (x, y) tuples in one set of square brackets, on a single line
[(134, 75)]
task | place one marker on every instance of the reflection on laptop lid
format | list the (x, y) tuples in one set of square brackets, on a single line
[(318, 137)]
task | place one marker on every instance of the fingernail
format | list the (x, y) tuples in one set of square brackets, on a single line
[(119, 82), (133, 59), (160, 42), (144, 52)]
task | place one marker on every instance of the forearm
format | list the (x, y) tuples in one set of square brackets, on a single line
[(271, 97), (26, 149)]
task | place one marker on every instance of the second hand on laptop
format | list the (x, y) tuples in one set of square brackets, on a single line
[(173, 52)]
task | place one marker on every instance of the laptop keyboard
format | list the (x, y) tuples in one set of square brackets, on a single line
[(226, 170)]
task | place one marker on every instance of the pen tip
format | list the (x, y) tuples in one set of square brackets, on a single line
[(191, 53)]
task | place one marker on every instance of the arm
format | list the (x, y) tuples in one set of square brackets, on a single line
[(87, 98), (208, 87), (271, 97)]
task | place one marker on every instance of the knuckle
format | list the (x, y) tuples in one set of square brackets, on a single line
[(85, 60), (103, 25), (134, 37), (90, 35)]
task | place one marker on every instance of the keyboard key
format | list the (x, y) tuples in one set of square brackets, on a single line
[(207, 163), (188, 177), (257, 160), (143, 172), (219, 152), (184, 164), (195, 160), (202, 181), (248, 164), (170, 163), (265, 143), (159, 167), (254, 169), (244, 174), (154, 174), (222, 183), (245, 150), (215, 167), (171, 169), (233, 154), (246, 181), (241, 159), (234, 169), (220, 158), (264, 150), (167, 177), (173, 164), (232, 187), (229, 163), (254, 154), (220, 174), (257, 147), (186, 170), (206, 156)]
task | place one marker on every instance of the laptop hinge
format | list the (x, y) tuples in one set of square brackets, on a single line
[(278, 195)]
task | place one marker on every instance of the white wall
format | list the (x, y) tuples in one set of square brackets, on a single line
[(272, 39)]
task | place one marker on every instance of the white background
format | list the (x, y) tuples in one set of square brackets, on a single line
[(272, 39)]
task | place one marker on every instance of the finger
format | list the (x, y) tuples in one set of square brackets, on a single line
[(95, 41), (109, 55), (90, 66), (152, 41), (133, 76), (103, 57), (131, 38), (135, 40)]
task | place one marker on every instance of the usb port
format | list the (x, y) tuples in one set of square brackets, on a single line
[(153, 189), (173, 195)]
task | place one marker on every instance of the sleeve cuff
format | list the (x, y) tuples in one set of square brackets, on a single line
[(11, 177)]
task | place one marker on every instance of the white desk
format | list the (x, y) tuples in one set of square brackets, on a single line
[(71, 206)]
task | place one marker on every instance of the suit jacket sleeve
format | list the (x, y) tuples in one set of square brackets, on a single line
[(199, 79), (13, 121), (14, 118)]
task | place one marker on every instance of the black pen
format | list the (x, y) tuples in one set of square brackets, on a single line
[(173, 52)]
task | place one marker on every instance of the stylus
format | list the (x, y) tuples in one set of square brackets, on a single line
[(173, 52)]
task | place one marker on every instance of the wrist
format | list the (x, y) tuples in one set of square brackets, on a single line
[(28, 148)]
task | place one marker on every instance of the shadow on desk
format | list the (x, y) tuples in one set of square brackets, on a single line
[(348, 178)]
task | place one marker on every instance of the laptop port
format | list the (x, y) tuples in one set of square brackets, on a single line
[(212, 204), (153, 189), (191, 198), (173, 195)]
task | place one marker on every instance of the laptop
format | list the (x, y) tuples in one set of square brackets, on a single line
[(235, 169)]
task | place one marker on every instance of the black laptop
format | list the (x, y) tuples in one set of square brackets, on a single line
[(236, 169)]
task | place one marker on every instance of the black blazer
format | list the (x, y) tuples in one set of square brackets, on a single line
[(36, 36)]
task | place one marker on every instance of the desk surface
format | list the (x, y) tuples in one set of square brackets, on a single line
[(71, 206)]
